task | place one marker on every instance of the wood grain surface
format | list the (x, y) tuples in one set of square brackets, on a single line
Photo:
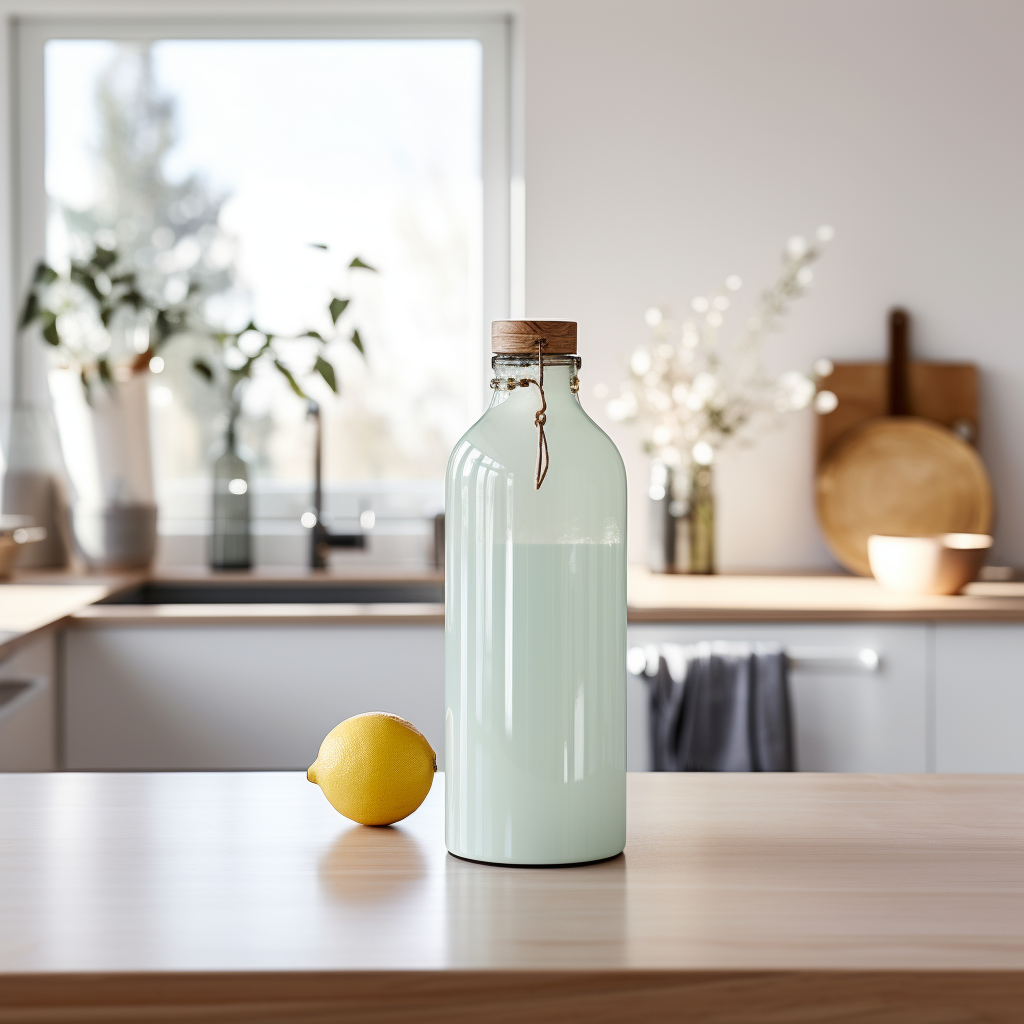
[(27, 610), (653, 597), (751, 898), (899, 476), (24, 608), (520, 337), (657, 597), (393, 614), (945, 393)]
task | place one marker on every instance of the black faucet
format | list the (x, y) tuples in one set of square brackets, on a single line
[(320, 537)]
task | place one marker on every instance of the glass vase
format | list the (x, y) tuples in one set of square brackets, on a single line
[(702, 521), (231, 540), (668, 521), (535, 626), (34, 485)]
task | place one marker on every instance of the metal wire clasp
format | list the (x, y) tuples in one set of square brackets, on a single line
[(511, 383)]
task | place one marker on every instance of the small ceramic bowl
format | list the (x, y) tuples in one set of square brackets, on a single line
[(943, 564)]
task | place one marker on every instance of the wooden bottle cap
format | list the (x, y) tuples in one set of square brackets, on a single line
[(520, 337)]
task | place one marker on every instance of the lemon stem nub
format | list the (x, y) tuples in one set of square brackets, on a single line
[(311, 772)]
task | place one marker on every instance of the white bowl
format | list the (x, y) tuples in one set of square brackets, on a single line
[(943, 564)]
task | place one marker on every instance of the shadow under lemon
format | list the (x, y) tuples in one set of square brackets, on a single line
[(375, 769), (365, 865)]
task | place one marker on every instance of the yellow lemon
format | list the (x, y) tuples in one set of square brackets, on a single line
[(375, 768)]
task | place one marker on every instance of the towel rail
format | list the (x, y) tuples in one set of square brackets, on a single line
[(644, 660), (864, 658)]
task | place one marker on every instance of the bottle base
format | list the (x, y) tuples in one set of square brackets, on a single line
[(536, 864)]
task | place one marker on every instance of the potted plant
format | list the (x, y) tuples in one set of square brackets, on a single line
[(239, 353), (105, 332)]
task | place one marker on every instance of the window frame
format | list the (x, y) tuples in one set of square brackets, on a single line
[(28, 27)]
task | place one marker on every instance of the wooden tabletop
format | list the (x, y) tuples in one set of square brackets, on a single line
[(739, 897)]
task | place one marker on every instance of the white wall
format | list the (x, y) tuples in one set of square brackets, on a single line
[(671, 142)]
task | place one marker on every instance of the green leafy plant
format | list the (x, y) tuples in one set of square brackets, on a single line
[(240, 360), (99, 320)]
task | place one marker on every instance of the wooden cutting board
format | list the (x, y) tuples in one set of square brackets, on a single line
[(945, 393), (900, 476), (892, 456)]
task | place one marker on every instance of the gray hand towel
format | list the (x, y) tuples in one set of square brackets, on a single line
[(721, 707)]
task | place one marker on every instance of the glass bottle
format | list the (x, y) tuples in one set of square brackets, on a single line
[(230, 543), (535, 617)]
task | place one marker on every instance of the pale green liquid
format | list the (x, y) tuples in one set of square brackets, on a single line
[(535, 724)]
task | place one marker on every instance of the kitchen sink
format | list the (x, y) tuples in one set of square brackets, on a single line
[(214, 591)]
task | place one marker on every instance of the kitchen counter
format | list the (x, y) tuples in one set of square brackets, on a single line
[(392, 614), (27, 609), (657, 597), (740, 897), (371, 573), (37, 601)]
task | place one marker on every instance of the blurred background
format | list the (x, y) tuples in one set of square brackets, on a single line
[(583, 161), (250, 253)]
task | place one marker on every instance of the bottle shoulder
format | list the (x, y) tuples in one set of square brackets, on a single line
[(507, 435), (491, 479)]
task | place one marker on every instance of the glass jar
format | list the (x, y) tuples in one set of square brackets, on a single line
[(702, 521), (535, 617), (230, 544)]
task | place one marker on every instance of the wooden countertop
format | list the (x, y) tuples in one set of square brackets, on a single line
[(652, 598), (392, 614), (257, 576), (656, 597), (245, 896), (27, 609), (42, 600)]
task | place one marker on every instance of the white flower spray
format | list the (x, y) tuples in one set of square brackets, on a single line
[(691, 398)]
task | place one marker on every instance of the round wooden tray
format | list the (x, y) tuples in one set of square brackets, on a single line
[(901, 476)]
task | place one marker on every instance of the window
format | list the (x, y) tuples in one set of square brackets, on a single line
[(231, 159)]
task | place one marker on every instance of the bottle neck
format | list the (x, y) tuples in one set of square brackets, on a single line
[(561, 382)]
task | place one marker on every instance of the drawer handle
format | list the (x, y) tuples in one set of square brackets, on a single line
[(865, 658)]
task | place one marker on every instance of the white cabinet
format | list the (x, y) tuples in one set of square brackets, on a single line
[(979, 698), (847, 719), (944, 697), (223, 696), (28, 708)]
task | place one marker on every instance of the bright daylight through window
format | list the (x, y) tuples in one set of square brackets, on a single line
[(242, 178)]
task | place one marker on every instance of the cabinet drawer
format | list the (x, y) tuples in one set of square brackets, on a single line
[(847, 718), (979, 698), (232, 697), (28, 715)]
